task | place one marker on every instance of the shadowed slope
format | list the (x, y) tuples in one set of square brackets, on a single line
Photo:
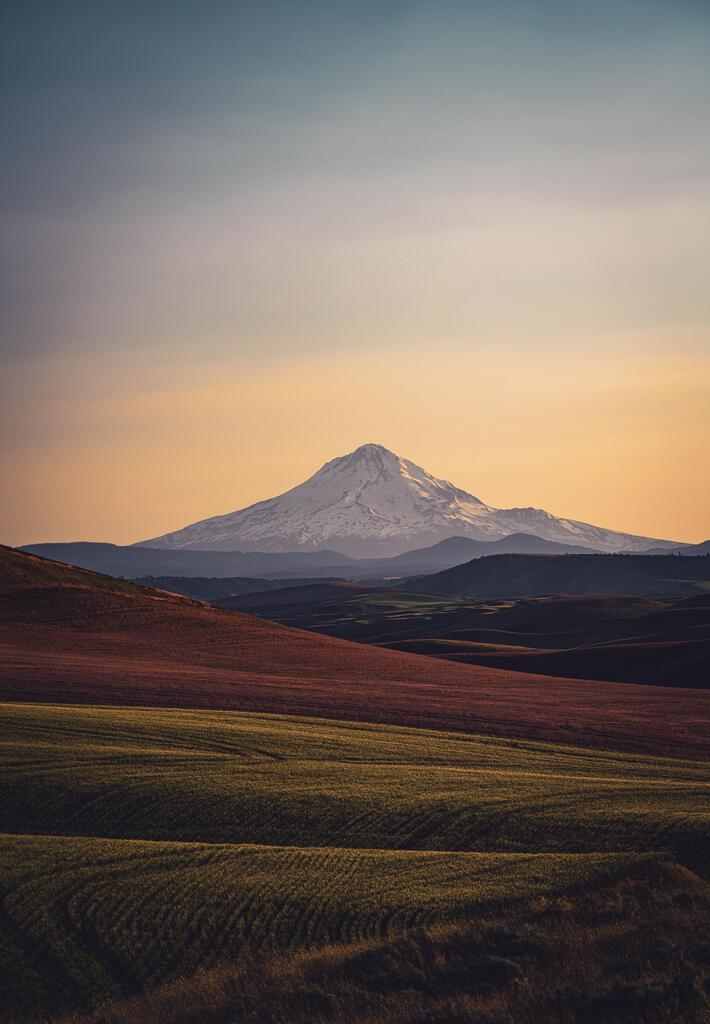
[(667, 663), (69, 635)]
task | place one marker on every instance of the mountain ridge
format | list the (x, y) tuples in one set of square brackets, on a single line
[(136, 562)]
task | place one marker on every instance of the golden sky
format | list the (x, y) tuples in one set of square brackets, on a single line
[(235, 247)]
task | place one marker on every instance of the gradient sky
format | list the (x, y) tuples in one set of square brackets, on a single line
[(239, 239)]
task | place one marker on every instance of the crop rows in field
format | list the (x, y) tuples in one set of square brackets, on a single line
[(145, 844), (84, 918), (235, 778)]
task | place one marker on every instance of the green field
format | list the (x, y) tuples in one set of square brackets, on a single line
[(144, 845)]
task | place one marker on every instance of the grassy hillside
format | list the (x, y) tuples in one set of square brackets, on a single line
[(88, 639), (22, 574), (216, 777)]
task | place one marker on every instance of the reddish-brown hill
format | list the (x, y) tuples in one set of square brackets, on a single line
[(70, 635)]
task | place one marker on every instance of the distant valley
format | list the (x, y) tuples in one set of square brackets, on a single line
[(619, 638)]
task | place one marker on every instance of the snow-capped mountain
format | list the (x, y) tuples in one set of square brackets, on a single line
[(373, 503)]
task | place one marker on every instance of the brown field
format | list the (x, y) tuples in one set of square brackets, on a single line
[(69, 635)]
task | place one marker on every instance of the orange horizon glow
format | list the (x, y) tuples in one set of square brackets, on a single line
[(620, 448)]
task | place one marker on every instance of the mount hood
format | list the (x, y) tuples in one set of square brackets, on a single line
[(373, 503)]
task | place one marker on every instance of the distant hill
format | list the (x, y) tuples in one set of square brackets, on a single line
[(667, 644), (207, 588), (508, 576), (137, 562), (141, 563), (71, 636), (455, 550), (703, 548), (280, 597)]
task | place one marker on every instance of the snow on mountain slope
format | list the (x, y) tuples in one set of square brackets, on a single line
[(373, 503)]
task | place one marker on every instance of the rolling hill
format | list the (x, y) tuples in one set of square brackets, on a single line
[(72, 636), (514, 575), (195, 775), (668, 644), (666, 663)]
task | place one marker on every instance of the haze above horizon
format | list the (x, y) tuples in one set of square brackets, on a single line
[(240, 240)]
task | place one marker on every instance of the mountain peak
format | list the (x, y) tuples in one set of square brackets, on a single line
[(370, 459), (370, 449), (370, 452)]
